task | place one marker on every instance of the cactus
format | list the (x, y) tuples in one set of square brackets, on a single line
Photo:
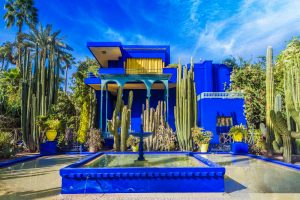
[(186, 106), (281, 127), (125, 122), (120, 119), (152, 120), (269, 97), (277, 143), (292, 103)]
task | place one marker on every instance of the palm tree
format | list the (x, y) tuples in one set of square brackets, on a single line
[(44, 51), (20, 12), (7, 55), (51, 49), (69, 60)]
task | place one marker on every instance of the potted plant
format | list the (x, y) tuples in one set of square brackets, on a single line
[(95, 140), (133, 142), (52, 127), (201, 138), (238, 133)]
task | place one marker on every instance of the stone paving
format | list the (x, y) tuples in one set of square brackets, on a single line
[(245, 179)]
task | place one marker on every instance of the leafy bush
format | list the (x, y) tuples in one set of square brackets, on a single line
[(238, 133), (250, 79), (166, 139), (258, 145), (7, 145), (53, 124), (95, 140), (84, 123), (200, 136), (132, 141)]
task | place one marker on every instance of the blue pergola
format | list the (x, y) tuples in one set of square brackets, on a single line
[(122, 79)]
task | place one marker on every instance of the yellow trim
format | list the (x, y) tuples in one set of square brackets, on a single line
[(144, 66)]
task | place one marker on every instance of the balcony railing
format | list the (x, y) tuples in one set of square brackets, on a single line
[(142, 71), (172, 71), (222, 95)]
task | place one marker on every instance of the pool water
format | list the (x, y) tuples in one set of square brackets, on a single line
[(153, 160)]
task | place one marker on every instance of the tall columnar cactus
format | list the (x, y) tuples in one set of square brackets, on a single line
[(125, 122), (277, 143), (281, 127), (269, 97), (287, 132), (186, 106), (152, 120), (120, 118)]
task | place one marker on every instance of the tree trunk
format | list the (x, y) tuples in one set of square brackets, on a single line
[(66, 78)]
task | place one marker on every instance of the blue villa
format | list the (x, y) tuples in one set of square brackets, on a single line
[(146, 70)]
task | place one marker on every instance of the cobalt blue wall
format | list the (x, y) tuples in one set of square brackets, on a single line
[(211, 108), (139, 98), (211, 77)]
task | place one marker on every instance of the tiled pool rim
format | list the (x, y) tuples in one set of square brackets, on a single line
[(9, 163), (26, 158), (76, 180)]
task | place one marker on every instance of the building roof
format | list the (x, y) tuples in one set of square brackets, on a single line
[(105, 51)]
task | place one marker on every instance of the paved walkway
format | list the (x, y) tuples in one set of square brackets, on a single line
[(247, 178)]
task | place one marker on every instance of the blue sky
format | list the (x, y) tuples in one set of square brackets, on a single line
[(206, 29)]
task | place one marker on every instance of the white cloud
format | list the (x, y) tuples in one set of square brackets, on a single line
[(257, 24)]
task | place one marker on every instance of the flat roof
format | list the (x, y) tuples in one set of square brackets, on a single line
[(104, 51)]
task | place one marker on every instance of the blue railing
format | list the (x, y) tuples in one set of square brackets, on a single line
[(172, 71)]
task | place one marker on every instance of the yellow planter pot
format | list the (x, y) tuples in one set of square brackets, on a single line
[(51, 135), (204, 148), (135, 148), (238, 137)]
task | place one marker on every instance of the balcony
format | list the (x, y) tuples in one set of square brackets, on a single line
[(172, 71)]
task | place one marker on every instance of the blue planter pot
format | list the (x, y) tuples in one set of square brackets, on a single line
[(48, 148), (239, 148)]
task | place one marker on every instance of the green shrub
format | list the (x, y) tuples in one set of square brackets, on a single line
[(200, 136), (95, 140), (258, 145), (7, 145)]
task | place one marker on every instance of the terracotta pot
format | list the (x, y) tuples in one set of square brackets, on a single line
[(135, 148), (51, 135), (204, 148)]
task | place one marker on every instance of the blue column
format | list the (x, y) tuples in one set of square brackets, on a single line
[(106, 101), (101, 104), (167, 99)]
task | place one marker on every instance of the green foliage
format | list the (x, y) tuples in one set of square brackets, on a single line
[(7, 145), (83, 126), (53, 124), (20, 12), (238, 133), (95, 140), (64, 110), (258, 145), (7, 55), (10, 91), (200, 136), (83, 93), (287, 129), (250, 79)]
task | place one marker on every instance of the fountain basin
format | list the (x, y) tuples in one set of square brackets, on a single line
[(164, 172)]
